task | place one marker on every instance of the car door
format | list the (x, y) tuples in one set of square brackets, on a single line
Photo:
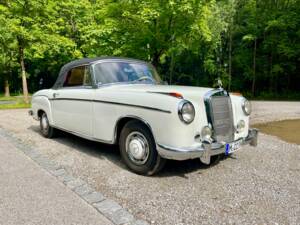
[(72, 104)]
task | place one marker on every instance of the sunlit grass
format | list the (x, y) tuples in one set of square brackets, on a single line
[(17, 102)]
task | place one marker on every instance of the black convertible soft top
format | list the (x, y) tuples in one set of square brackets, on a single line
[(80, 62)]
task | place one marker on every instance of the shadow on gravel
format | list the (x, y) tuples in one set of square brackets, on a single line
[(111, 152), (181, 168), (92, 148)]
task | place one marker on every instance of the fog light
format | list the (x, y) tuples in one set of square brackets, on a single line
[(240, 126), (206, 133)]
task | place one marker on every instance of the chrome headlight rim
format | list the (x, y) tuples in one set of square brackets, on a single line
[(180, 111), (244, 107)]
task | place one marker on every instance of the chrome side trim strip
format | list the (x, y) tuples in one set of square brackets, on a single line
[(40, 96), (113, 103)]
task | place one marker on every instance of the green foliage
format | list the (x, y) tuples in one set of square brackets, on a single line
[(252, 45)]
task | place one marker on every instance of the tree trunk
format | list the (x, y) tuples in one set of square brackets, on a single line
[(230, 59), (171, 67), (23, 74), (254, 67), (271, 73), (6, 88)]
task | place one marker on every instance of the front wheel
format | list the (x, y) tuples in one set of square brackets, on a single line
[(46, 130), (138, 149)]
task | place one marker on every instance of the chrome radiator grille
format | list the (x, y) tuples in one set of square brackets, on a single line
[(221, 118)]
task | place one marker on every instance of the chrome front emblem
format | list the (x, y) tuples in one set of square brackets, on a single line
[(219, 82)]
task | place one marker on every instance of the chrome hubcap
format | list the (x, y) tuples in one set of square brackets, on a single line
[(44, 123), (137, 148)]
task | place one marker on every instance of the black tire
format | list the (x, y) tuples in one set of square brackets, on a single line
[(215, 159), (46, 130), (151, 164)]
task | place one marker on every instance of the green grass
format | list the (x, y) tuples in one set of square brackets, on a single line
[(11, 98), (15, 106), (18, 103)]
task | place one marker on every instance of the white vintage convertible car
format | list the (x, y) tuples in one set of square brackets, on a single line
[(123, 101)]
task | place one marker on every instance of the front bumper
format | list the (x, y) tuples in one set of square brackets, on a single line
[(204, 151)]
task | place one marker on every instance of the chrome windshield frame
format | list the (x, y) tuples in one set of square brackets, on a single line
[(155, 82)]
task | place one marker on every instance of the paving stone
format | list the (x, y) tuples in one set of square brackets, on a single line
[(58, 172), (41, 160), (65, 178), (107, 207), (93, 197), (83, 190), (122, 217), (75, 183), (51, 166), (139, 222), (26, 150), (33, 154)]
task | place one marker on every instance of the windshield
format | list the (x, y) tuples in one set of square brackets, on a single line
[(125, 72)]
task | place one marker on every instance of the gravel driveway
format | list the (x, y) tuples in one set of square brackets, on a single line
[(255, 186), (264, 111)]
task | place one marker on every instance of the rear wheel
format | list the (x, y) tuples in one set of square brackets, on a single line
[(46, 130), (138, 149)]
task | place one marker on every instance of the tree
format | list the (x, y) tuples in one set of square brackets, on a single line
[(252, 45), (33, 27)]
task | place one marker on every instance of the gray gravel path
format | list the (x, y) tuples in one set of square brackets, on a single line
[(266, 111), (255, 186), (29, 195)]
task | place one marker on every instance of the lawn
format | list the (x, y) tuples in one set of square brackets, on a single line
[(13, 102)]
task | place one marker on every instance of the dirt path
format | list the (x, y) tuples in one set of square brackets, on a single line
[(287, 130)]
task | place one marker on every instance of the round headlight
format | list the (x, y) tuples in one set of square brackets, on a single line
[(186, 111), (246, 106), (206, 133)]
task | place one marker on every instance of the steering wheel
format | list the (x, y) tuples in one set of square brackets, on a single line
[(144, 78)]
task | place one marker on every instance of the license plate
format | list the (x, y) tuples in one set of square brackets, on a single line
[(232, 147)]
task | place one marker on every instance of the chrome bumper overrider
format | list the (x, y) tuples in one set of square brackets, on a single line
[(204, 151)]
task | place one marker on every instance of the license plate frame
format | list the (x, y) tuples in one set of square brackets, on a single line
[(233, 147)]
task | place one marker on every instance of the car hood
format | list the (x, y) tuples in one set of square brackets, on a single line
[(192, 93)]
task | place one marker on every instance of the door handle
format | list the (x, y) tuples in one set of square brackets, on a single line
[(55, 95)]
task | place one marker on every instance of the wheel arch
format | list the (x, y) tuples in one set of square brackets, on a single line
[(40, 112), (42, 104), (122, 121)]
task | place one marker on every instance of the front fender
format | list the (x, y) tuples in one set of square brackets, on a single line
[(40, 102)]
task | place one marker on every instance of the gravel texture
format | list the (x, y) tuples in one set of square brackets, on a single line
[(254, 186), (266, 111)]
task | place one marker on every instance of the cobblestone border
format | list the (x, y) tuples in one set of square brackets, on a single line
[(107, 207)]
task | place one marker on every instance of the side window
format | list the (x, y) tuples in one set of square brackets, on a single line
[(78, 76)]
